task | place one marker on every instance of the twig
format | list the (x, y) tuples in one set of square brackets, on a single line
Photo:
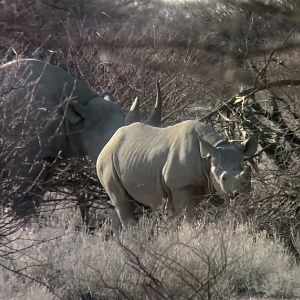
[(249, 92)]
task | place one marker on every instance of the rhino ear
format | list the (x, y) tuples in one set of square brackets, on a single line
[(77, 112), (250, 146), (207, 150), (108, 96)]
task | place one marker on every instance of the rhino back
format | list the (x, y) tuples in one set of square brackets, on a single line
[(48, 84), (30, 92)]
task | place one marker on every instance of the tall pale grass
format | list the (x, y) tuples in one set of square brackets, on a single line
[(152, 260)]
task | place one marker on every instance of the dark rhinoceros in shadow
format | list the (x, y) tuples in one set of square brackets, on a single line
[(47, 113)]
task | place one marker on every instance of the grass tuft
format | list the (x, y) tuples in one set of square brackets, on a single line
[(152, 259)]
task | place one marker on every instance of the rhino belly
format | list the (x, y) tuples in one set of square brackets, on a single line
[(145, 191)]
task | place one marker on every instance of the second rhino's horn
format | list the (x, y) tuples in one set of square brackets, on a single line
[(134, 113), (155, 117)]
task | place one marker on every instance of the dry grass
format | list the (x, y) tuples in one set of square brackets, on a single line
[(153, 259), (203, 52)]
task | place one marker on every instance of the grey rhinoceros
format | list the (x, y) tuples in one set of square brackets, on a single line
[(171, 167), (46, 113)]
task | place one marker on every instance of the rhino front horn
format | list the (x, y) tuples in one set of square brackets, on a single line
[(155, 118), (134, 113)]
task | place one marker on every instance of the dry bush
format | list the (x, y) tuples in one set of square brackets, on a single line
[(203, 53), (268, 110), (214, 261)]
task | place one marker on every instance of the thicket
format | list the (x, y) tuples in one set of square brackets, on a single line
[(219, 260), (231, 63)]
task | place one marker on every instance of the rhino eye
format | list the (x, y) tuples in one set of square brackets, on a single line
[(223, 177)]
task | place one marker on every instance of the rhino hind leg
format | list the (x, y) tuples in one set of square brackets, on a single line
[(120, 199)]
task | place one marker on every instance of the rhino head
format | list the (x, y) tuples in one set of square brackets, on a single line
[(229, 174), (89, 126)]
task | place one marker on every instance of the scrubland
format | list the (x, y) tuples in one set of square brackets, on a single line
[(153, 260), (234, 64)]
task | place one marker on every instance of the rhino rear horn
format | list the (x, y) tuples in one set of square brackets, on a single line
[(134, 113), (155, 118)]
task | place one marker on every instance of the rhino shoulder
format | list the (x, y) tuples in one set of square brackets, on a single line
[(135, 127), (186, 126), (195, 127), (136, 133)]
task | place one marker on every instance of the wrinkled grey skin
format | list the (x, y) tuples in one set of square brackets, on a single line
[(171, 167), (48, 112)]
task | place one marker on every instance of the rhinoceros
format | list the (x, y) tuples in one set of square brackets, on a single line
[(171, 167), (47, 113)]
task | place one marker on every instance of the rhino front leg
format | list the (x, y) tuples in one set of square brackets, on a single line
[(125, 211), (185, 201)]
